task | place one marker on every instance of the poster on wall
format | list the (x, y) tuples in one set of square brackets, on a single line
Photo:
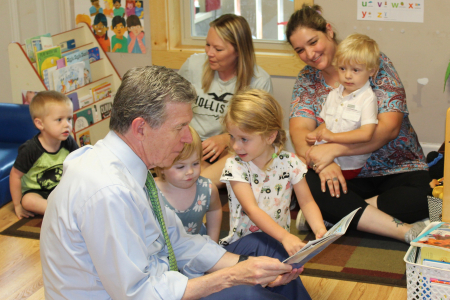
[(393, 11), (118, 25)]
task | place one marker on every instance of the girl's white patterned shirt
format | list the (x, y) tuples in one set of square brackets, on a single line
[(272, 190)]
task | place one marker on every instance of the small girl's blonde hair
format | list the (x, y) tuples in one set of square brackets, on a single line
[(257, 112), (188, 149)]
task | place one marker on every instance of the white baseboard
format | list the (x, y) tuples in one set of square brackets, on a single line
[(428, 147)]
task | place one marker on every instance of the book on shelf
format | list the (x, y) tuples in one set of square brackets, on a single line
[(75, 102), (85, 100), (102, 91), (46, 42), (312, 248), (80, 56), (29, 46), (47, 58), (76, 56), (69, 52), (105, 109), (96, 111), (37, 45), (61, 63), (48, 77), (83, 118), (67, 45), (94, 54), (69, 78), (85, 139), (438, 236)]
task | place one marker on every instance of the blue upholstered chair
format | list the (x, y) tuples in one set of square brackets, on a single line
[(16, 127)]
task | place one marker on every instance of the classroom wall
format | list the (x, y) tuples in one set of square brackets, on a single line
[(5, 82), (418, 50)]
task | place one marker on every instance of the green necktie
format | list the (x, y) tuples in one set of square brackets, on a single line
[(153, 195)]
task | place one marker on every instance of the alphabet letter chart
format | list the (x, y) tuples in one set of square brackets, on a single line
[(394, 11)]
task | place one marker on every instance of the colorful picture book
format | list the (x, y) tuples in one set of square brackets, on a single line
[(69, 78), (85, 139), (83, 119), (94, 54), (80, 56), (312, 248), (436, 237), (46, 59), (435, 254), (76, 56), (29, 46), (102, 91)]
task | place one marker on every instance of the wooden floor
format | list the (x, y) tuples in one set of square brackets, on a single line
[(21, 275)]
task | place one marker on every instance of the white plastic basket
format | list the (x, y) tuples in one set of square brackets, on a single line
[(418, 278)]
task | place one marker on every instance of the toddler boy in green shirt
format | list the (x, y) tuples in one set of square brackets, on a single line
[(39, 163)]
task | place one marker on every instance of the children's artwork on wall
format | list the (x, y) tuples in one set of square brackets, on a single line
[(118, 25)]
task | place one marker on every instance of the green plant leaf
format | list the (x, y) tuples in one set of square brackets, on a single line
[(446, 75)]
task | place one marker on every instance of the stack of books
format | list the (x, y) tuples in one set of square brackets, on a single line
[(434, 246)]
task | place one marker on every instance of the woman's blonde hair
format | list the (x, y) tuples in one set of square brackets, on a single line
[(188, 150), (257, 112), (360, 49), (236, 31)]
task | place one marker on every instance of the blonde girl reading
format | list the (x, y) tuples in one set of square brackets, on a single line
[(190, 195), (261, 176)]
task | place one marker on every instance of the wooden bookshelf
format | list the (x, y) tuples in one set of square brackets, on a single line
[(24, 76)]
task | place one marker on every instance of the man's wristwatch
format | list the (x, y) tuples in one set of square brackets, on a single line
[(242, 258)]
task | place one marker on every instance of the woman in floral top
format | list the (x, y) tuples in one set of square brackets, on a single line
[(392, 188)]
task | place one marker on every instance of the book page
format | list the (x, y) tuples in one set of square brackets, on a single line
[(312, 248)]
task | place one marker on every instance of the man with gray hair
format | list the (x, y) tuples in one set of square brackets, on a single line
[(105, 233)]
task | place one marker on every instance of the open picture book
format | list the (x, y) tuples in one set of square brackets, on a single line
[(312, 248), (435, 235)]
